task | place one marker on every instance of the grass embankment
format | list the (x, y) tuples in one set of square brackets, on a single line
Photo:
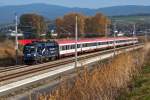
[(7, 53), (104, 82), (140, 86)]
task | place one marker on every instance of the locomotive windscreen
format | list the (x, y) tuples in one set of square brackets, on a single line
[(29, 49)]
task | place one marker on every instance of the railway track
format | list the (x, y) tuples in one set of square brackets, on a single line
[(5, 69), (10, 68), (45, 66), (14, 75)]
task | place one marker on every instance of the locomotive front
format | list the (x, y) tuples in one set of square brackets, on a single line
[(40, 51), (30, 53)]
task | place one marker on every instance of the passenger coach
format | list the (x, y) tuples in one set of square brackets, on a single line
[(67, 47)]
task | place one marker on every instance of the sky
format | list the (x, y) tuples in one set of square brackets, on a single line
[(78, 3)]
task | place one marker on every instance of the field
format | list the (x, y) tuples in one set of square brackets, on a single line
[(7, 53), (132, 19)]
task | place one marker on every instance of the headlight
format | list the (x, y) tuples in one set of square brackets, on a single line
[(34, 55)]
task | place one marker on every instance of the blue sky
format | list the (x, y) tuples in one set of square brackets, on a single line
[(78, 3)]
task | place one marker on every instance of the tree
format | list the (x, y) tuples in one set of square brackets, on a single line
[(96, 24), (87, 25), (59, 25), (33, 23), (67, 24)]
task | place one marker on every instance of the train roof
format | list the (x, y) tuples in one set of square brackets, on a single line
[(71, 41)]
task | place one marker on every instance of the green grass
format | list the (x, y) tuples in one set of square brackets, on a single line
[(140, 89)]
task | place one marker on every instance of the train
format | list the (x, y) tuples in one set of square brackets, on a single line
[(39, 51)]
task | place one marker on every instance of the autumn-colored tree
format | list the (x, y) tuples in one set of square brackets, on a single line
[(97, 24), (92, 26), (59, 25), (66, 24), (33, 23)]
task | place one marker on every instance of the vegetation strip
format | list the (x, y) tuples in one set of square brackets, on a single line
[(105, 82), (139, 88)]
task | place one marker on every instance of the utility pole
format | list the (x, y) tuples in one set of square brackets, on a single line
[(76, 41), (16, 30), (115, 31), (145, 37), (134, 32), (106, 32)]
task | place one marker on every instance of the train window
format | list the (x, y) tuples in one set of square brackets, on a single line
[(111, 42), (71, 46), (100, 43), (63, 47), (104, 43), (85, 45), (60, 48), (89, 44), (117, 41), (78, 45), (68, 47), (95, 44)]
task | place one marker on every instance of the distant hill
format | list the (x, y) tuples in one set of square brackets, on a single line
[(53, 11)]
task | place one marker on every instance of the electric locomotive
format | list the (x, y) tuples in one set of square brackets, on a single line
[(40, 51)]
